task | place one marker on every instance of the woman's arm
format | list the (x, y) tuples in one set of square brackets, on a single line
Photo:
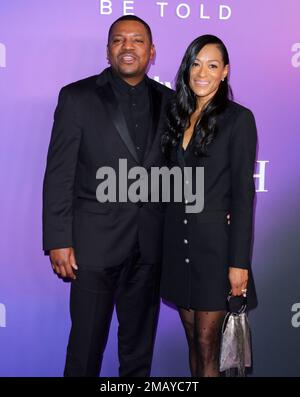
[(242, 160)]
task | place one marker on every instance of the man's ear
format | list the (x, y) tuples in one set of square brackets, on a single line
[(152, 53)]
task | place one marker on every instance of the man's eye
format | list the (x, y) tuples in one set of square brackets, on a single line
[(139, 40)]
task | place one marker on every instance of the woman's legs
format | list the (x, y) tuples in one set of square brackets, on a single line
[(203, 332), (208, 331), (187, 318)]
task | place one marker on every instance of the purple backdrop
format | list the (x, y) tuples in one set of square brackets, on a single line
[(45, 45)]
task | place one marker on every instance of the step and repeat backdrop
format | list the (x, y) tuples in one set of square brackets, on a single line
[(47, 44)]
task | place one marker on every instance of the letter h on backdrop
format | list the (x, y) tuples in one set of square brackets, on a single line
[(2, 56)]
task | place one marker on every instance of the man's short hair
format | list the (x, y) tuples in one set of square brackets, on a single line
[(131, 18)]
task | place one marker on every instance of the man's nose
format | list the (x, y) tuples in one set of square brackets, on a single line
[(127, 44)]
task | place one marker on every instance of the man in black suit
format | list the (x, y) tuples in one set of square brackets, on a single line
[(110, 250)]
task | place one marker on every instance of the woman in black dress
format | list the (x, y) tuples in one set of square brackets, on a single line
[(205, 256)]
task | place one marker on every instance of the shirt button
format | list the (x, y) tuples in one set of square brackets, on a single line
[(138, 148), (185, 241), (185, 221), (187, 260), (186, 201), (133, 104), (187, 182), (136, 125)]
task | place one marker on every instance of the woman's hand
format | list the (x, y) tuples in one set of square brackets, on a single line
[(238, 280)]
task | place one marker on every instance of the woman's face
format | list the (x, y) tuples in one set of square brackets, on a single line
[(206, 73)]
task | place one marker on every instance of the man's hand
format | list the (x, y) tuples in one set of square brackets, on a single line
[(238, 279), (63, 262)]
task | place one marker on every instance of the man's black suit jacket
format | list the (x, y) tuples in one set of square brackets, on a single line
[(90, 132)]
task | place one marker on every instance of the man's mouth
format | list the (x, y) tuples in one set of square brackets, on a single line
[(127, 58)]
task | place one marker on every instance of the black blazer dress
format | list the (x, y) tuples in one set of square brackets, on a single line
[(198, 248)]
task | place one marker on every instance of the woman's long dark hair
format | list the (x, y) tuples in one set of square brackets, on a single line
[(185, 102)]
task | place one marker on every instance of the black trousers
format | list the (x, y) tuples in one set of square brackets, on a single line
[(133, 287)]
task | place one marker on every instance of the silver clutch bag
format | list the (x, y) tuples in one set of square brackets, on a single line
[(235, 354)]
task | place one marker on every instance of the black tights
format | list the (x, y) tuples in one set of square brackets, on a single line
[(203, 332)]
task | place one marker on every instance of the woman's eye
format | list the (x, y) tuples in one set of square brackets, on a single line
[(213, 66)]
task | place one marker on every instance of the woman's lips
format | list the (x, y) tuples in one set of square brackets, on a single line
[(201, 83)]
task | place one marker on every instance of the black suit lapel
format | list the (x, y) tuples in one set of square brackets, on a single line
[(110, 102), (156, 104)]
